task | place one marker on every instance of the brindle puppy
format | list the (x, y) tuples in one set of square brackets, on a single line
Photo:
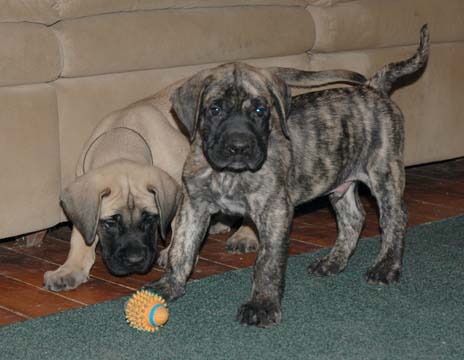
[(251, 156)]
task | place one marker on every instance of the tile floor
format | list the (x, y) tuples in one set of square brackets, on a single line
[(433, 192)]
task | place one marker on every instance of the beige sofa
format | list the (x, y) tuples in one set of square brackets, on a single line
[(64, 64)]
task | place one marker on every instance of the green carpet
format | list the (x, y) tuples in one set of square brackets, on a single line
[(324, 318)]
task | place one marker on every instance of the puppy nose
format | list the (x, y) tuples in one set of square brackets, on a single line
[(135, 256), (239, 145)]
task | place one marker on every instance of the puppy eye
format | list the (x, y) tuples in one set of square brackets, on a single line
[(109, 224), (148, 220), (148, 217), (260, 110), (215, 110)]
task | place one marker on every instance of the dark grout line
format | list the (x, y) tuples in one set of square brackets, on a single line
[(318, 247), (43, 289), (440, 205), (112, 282), (20, 314), (218, 262), (429, 177), (29, 255)]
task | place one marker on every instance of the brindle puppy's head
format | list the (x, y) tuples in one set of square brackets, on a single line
[(233, 108), (127, 207)]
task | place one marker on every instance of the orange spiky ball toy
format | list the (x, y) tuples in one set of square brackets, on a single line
[(146, 311)]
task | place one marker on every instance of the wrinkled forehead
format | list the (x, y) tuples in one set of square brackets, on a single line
[(236, 81), (127, 198)]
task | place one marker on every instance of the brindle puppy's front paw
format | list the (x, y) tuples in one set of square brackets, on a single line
[(167, 288), (326, 266), (384, 272), (261, 314)]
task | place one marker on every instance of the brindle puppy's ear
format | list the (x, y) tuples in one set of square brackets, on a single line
[(281, 96), (167, 197), (81, 201), (308, 79), (186, 101)]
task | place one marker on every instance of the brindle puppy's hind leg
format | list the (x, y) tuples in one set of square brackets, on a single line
[(387, 186), (350, 220)]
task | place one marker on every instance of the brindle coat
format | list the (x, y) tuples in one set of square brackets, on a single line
[(251, 156)]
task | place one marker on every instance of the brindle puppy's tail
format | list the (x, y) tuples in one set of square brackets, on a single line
[(384, 79), (307, 79)]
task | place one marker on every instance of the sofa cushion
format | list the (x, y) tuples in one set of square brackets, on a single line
[(39, 11), (365, 24), (30, 53), (51, 11), (79, 8), (30, 159), (155, 39)]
